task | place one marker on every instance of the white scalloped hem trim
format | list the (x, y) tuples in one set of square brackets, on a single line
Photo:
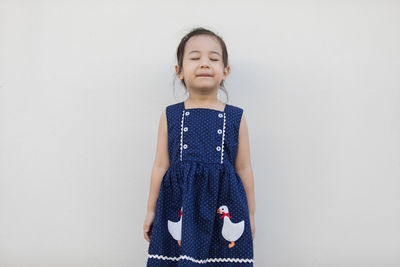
[(185, 257)]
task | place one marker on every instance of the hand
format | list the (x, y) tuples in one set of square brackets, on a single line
[(253, 226), (148, 224)]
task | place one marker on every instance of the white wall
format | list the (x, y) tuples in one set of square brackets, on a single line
[(82, 87)]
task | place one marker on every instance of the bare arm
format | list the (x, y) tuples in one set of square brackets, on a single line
[(161, 163), (243, 165)]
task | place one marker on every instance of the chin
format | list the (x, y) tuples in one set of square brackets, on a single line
[(204, 88)]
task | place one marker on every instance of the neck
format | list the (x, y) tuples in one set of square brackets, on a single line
[(199, 98), (204, 103)]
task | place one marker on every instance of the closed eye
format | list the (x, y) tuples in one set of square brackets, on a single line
[(199, 58)]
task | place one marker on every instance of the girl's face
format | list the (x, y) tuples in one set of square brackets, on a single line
[(202, 65)]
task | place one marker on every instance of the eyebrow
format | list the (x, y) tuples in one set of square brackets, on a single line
[(214, 52)]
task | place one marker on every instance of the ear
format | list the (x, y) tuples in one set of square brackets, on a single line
[(227, 70), (178, 72)]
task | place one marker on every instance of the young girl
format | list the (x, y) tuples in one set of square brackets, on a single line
[(201, 204)]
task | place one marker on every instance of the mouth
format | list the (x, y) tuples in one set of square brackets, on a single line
[(204, 75)]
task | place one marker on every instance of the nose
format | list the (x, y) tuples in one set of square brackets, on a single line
[(204, 63)]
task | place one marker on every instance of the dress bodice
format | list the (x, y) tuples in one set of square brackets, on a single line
[(203, 134)]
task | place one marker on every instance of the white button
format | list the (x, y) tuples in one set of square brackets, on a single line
[(219, 131), (185, 146), (220, 115), (185, 129), (187, 113), (218, 148)]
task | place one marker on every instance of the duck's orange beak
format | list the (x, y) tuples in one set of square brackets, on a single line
[(219, 211)]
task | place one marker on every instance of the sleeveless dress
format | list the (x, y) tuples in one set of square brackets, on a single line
[(202, 215)]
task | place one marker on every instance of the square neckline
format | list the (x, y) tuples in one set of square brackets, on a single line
[(183, 104)]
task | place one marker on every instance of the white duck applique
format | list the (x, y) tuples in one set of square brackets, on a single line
[(230, 231), (175, 228)]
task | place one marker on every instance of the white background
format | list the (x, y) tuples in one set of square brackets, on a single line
[(82, 88)]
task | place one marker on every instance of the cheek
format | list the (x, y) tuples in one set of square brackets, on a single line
[(219, 71), (219, 67), (190, 69)]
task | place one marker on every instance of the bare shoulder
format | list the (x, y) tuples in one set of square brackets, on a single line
[(243, 125), (243, 153), (163, 126), (162, 159), (163, 118)]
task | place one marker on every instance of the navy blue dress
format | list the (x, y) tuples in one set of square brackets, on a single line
[(202, 216)]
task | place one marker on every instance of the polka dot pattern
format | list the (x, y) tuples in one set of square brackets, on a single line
[(202, 217)]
